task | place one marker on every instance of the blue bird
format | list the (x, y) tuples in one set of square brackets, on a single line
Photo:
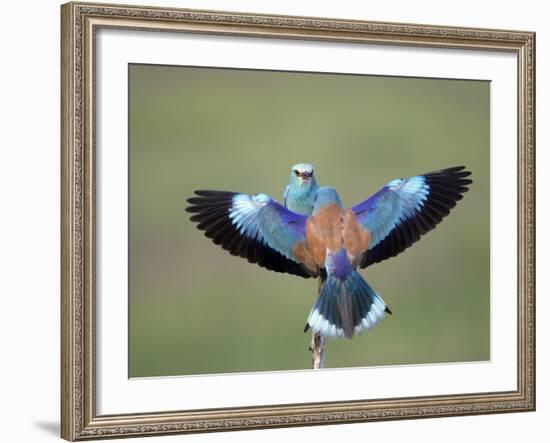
[(301, 190), (332, 241)]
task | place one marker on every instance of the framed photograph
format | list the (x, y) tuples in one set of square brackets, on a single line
[(283, 221)]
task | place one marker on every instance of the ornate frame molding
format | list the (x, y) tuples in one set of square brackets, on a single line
[(79, 420)]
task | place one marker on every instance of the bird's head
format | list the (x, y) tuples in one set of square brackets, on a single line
[(302, 175)]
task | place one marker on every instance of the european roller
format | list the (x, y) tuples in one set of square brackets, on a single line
[(332, 242)]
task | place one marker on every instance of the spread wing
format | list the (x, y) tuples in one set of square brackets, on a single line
[(405, 209), (254, 227)]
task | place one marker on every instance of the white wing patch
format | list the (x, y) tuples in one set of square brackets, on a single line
[(244, 211)]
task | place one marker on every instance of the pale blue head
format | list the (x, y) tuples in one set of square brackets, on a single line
[(300, 192), (326, 196), (302, 175)]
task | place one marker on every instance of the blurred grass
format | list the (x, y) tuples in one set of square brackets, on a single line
[(194, 309)]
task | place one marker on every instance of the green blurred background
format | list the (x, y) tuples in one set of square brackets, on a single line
[(194, 309)]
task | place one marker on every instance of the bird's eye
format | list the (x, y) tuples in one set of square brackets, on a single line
[(296, 172)]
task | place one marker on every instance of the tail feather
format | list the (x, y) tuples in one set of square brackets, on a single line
[(346, 307)]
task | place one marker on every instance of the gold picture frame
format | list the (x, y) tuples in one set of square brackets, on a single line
[(79, 22)]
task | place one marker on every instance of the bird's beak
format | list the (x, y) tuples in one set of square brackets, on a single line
[(305, 176)]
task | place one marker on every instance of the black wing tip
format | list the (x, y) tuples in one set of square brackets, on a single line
[(455, 171), (454, 168), (449, 170), (212, 193), (453, 179), (205, 197)]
